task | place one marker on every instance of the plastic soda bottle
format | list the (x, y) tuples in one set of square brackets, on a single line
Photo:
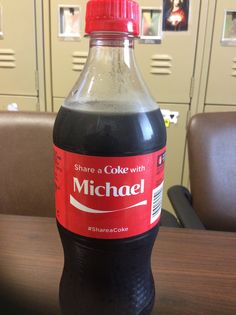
[(109, 142)]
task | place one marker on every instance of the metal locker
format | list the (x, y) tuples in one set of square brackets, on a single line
[(18, 65), (168, 67), (14, 102), (68, 46), (222, 71)]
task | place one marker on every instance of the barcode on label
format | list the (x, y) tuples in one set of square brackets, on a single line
[(156, 203)]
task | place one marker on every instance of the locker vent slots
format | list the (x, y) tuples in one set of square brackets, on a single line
[(161, 64), (7, 58), (78, 60), (234, 67)]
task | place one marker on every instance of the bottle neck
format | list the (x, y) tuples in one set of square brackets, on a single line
[(113, 51), (107, 39)]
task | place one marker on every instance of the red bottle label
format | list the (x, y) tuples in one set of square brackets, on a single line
[(108, 197)]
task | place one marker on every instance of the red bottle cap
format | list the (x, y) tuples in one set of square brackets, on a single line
[(112, 16)]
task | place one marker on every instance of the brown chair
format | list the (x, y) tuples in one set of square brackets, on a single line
[(211, 140), (26, 163)]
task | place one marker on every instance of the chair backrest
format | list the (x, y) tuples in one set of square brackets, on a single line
[(212, 165), (26, 163)]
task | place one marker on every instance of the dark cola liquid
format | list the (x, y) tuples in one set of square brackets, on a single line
[(108, 277)]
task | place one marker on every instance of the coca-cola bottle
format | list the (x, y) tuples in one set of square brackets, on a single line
[(109, 141)]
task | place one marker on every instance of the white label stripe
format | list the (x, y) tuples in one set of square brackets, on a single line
[(84, 208)]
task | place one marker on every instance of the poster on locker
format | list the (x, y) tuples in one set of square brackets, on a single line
[(229, 28), (69, 21), (150, 22), (175, 15), (151, 25)]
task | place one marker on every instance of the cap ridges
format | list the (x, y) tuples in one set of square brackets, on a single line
[(113, 16)]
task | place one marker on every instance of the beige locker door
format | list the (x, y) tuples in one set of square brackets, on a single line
[(219, 108), (14, 102), (176, 141), (18, 48), (221, 88), (68, 54), (168, 67)]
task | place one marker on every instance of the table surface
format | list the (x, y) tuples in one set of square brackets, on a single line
[(194, 271)]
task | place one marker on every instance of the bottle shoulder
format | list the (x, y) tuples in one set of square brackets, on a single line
[(111, 80)]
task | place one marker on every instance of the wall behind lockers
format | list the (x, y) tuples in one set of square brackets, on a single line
[(187, 56)]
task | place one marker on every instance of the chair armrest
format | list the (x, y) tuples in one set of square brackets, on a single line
[(168, 219), (181, 201)]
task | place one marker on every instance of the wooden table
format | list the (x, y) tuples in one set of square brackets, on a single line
[(194, 271)]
